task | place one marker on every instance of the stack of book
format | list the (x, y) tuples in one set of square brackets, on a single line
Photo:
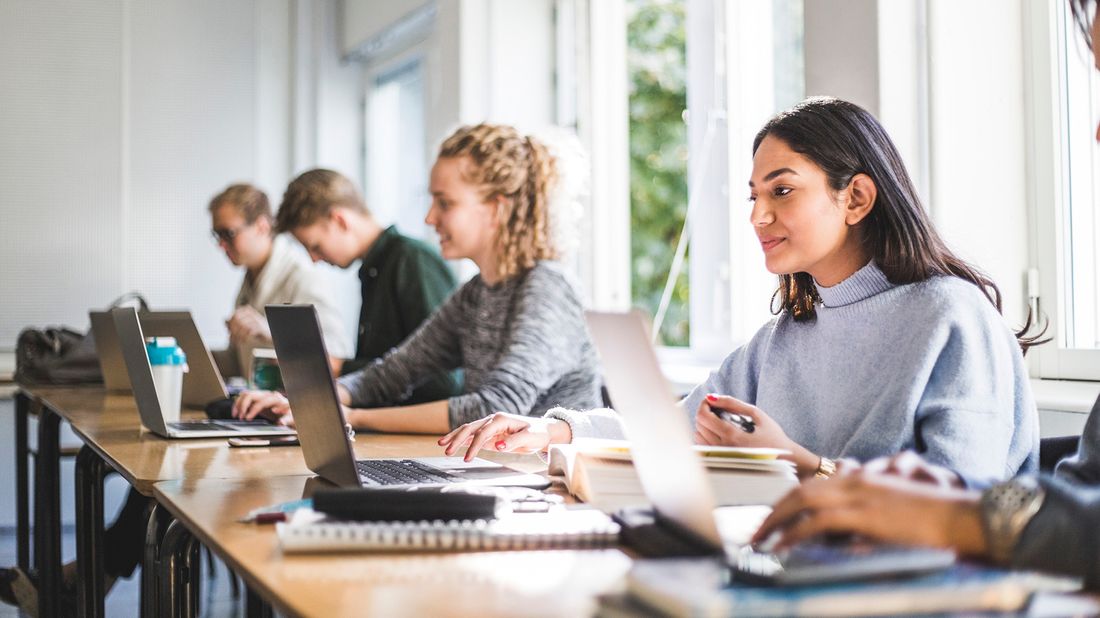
[(601, 473)]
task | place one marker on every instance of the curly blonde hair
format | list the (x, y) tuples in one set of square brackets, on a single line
[(505, 163)]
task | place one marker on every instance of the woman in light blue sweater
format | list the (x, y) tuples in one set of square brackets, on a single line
[(884, 340)]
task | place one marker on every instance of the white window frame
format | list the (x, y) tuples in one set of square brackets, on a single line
[(1046, 31), (416, 53)]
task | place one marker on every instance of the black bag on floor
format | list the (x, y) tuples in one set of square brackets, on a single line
[(61, 355)]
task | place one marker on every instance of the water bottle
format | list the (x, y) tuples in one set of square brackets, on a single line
[(169, 363)]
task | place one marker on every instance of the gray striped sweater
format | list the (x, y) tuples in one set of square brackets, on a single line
[(522, 345)]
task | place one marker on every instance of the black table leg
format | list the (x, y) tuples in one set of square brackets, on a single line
[(47, 512), (254, 606), (158, 519), (179, 572), (90, 472), (22, 482)]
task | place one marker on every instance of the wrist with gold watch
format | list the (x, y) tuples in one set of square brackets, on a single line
[(825, 468)]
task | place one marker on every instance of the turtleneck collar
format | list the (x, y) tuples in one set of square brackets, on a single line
[(864, 283)]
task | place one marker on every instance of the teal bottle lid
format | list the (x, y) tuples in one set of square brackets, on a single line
[(164, 351)]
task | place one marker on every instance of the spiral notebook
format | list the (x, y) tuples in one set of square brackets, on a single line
[(561, 528)]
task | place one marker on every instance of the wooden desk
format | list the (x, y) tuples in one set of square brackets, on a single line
[(109, 426), (534, 583)]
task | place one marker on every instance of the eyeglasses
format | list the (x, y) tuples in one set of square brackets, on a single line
[(227, 234)]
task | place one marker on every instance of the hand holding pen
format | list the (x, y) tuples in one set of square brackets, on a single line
[(744, 422)]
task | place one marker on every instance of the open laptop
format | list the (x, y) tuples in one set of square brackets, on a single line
[(201, 384), (131, 341), (675, 481), (326, 441)]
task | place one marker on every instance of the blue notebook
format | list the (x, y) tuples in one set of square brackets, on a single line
[(701, 587)]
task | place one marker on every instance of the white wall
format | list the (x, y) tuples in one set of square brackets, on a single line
[(979, 185), (842, 50), (120, 121), (965, 143)]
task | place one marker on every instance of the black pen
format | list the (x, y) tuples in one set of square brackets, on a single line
[(745, 423)]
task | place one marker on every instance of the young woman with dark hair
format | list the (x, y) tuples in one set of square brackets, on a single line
[(1030, 522), (884, 340)]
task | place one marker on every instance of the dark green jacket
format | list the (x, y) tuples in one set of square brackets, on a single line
[(402, 281)]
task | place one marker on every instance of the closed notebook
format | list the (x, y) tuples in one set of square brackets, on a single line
[(558, 528)]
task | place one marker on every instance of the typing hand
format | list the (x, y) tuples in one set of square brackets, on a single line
[(880, 507), (247, 326), (268, 404), (506, 432)]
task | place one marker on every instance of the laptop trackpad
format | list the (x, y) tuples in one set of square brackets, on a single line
[(472, 470)]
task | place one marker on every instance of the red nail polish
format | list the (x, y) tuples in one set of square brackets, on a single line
[(500, 445), (712, 398)]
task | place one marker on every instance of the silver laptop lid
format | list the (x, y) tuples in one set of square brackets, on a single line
[(307, 377), (110, 356), (131, 342), (203, 382), (672, 476)]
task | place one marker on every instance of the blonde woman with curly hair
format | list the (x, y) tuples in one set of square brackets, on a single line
[(516, 329)]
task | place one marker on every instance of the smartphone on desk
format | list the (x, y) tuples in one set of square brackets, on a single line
[(276, 441)]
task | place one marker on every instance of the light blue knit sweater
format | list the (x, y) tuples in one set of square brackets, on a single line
[(930, 366)]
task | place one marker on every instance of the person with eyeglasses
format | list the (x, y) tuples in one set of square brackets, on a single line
[(275, 273)]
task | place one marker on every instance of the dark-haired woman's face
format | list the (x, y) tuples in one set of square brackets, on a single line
[(800, 221)]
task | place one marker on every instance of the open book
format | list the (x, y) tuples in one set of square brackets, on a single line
[(600, 472), (558, 528)]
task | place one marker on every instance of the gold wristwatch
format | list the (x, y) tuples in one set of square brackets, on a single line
[(825, 468)]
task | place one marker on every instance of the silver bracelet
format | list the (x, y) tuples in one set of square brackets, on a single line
[(1006, 510)]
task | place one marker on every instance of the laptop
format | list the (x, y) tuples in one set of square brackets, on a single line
[(326, 439), (111, 363), (675, 480), (131, 341), (201, 384)]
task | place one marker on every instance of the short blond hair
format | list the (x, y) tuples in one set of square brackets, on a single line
[(312, 196), (505, 163), (250, 202)]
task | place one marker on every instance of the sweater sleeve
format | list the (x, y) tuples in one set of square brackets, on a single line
[(431, 349), (541, 347), (1061, 537), (978, 386), (598, 423)]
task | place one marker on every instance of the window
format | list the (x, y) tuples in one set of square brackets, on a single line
[(396, 168), (693, 65), (1065, 287), (657, 66)]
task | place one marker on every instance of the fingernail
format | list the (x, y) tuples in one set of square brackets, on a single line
[(712, 397), (501, 445)]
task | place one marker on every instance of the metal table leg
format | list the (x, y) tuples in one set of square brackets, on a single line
[(254, 606), (22, 482), (179, 572), (47, 513), (90, 472), (158, 519)]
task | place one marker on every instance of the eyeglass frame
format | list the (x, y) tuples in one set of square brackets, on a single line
[(228, 235)]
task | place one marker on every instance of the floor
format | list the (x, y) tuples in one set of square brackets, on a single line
[(125, 598)]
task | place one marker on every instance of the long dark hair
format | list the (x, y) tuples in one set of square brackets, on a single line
[(844, 139), (1082, 16)]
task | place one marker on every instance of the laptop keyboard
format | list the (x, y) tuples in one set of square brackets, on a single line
[(400, 472), (216, 425)]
